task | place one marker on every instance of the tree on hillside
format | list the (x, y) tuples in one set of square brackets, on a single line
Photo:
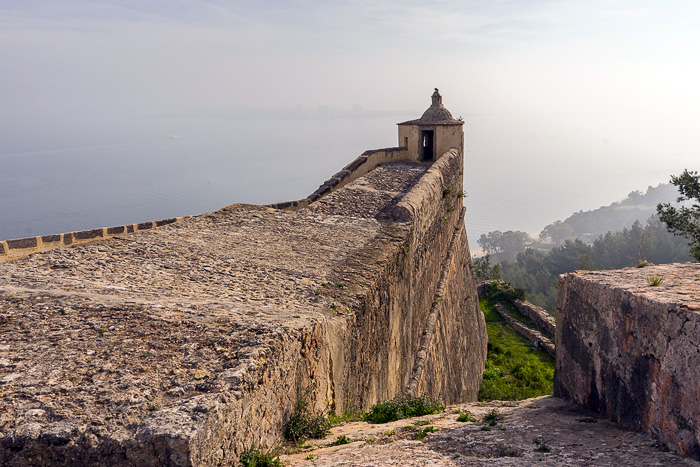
[(685, 220), (504, 245), (557, 232), (483, 271)]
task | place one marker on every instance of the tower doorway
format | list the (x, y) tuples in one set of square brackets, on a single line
[(426, 146)]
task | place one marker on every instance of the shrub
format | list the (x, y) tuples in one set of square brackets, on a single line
[(401, 407), (304, 424), (258, 458), (503, 291)]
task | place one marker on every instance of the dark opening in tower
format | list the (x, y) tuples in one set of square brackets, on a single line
[(426, 146)]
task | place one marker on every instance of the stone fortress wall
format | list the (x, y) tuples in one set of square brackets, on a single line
[(630, 350), (187, 343)]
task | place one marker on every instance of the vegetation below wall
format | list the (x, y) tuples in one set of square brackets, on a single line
[(536, 271), (514, 370)]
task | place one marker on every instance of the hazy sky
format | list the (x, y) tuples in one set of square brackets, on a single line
[(544, 85)]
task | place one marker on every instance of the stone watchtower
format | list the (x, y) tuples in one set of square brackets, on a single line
[(432, 135)]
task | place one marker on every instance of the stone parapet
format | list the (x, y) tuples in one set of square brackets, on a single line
[(18, 248), (628, 347), (368, 161)]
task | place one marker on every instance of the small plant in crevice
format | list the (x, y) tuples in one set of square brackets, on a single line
[(466, 417), (541, 445), (508, 451), (587, 420), (654, 281), (660, 445), (421, 434), (461, 194), (492, 416), (342, 439), (446, 190), (256, 457), (404, 406)]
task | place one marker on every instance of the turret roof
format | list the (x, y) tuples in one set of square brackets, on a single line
[(436, 114)]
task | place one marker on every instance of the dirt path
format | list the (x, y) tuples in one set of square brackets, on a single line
[(543, 431)]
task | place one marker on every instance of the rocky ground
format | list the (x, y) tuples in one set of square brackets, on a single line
[(542, 431)]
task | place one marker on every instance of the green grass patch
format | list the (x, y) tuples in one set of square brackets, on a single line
[(401, 407), (514, 369), (490, 314)]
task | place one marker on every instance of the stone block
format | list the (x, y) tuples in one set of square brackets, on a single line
[(20, 243), (163, 222), (51, 238), (116, 230), (87, 234)]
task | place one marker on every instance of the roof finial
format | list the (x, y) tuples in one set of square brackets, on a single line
[(437, 98)]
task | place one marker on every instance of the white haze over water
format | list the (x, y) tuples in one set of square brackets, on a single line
[(568, 105)]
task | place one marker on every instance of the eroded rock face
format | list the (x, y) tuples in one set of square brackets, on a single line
[(630, 350), (185, 344)]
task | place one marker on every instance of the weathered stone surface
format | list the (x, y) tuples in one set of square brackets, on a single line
[(183, 344), (631, 351), (574, 437)]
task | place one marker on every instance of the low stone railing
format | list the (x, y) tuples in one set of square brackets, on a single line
[(17, 248), (543, 320)]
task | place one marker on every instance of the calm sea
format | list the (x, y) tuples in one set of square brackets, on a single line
[(180, 166)]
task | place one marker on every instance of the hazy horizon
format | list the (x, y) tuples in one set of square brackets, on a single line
[(578, 102)]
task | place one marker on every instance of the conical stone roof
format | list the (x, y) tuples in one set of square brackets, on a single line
[(436, 114)]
